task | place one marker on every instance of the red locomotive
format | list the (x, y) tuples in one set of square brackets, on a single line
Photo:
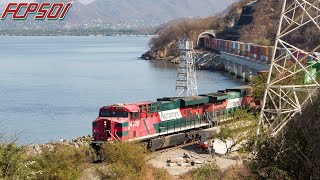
[(168, 121)]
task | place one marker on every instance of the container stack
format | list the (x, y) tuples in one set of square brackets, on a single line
[(258, 53)]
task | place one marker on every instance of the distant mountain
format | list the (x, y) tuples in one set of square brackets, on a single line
[(156, 10), (130, 14)]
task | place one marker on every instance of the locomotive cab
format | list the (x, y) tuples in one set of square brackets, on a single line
[(108, 126)]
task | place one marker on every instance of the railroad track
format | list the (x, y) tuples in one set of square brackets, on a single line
[(160, 151)]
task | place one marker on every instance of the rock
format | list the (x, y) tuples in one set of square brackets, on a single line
[(186, 155), (171, 164), (177, 160), (198, 162), (192, 163), (183, 164)]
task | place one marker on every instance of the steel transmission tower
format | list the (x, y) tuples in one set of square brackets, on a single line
[(292, 79), (186, 84)]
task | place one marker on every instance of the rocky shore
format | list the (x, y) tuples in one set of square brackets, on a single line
[(83, 141), (207, 60)]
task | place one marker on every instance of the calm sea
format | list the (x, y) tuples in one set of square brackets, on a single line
[(52, 87)]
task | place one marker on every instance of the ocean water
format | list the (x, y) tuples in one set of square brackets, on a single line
[(52, 87)]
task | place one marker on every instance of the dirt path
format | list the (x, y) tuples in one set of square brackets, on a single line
[(182, 165)]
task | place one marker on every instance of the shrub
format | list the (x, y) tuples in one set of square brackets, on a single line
[(208, 171), (13, 162), (61, 162), (126, 159)]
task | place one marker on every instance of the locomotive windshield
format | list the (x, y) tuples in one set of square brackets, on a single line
[(113, 114)]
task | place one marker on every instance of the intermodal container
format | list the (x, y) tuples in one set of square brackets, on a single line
[(264, 53), (226, 46), (309, 59), (300, 56), (212, 43), (229, 44), (242, 49), (270, 53), (215, 46), (278, 53), (220, 45), (258, 53), (234, 47), (252, 52), (248, 46)]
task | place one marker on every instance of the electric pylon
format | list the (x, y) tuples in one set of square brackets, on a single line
[(292, 79)]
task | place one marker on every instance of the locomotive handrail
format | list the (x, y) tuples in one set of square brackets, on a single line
[(115, 132), (112, 135)]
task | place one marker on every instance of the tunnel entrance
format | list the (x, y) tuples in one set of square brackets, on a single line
[(204, 35)]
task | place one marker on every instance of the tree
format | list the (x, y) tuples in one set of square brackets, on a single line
[(240, 130)]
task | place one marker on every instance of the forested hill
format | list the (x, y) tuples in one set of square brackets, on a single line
[(246, 20)]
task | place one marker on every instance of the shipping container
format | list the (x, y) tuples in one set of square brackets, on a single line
[(300, 56), (242, 49), (270, 53), (258, 53), (226, 45), (238, 48), (283, 52), (212, 43), (248, 49), (219, 44), (310, 59), (215, 43), (264, 54), (230, 46), (253, 52), (232, 49), (313, 69)]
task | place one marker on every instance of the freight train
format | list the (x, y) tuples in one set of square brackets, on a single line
[(167, 121), (255, 52), (264, 54)]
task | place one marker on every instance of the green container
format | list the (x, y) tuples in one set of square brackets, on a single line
[(193, 100), (312, 70)]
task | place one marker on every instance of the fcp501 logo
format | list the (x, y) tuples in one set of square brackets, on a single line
[(46, 10)]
